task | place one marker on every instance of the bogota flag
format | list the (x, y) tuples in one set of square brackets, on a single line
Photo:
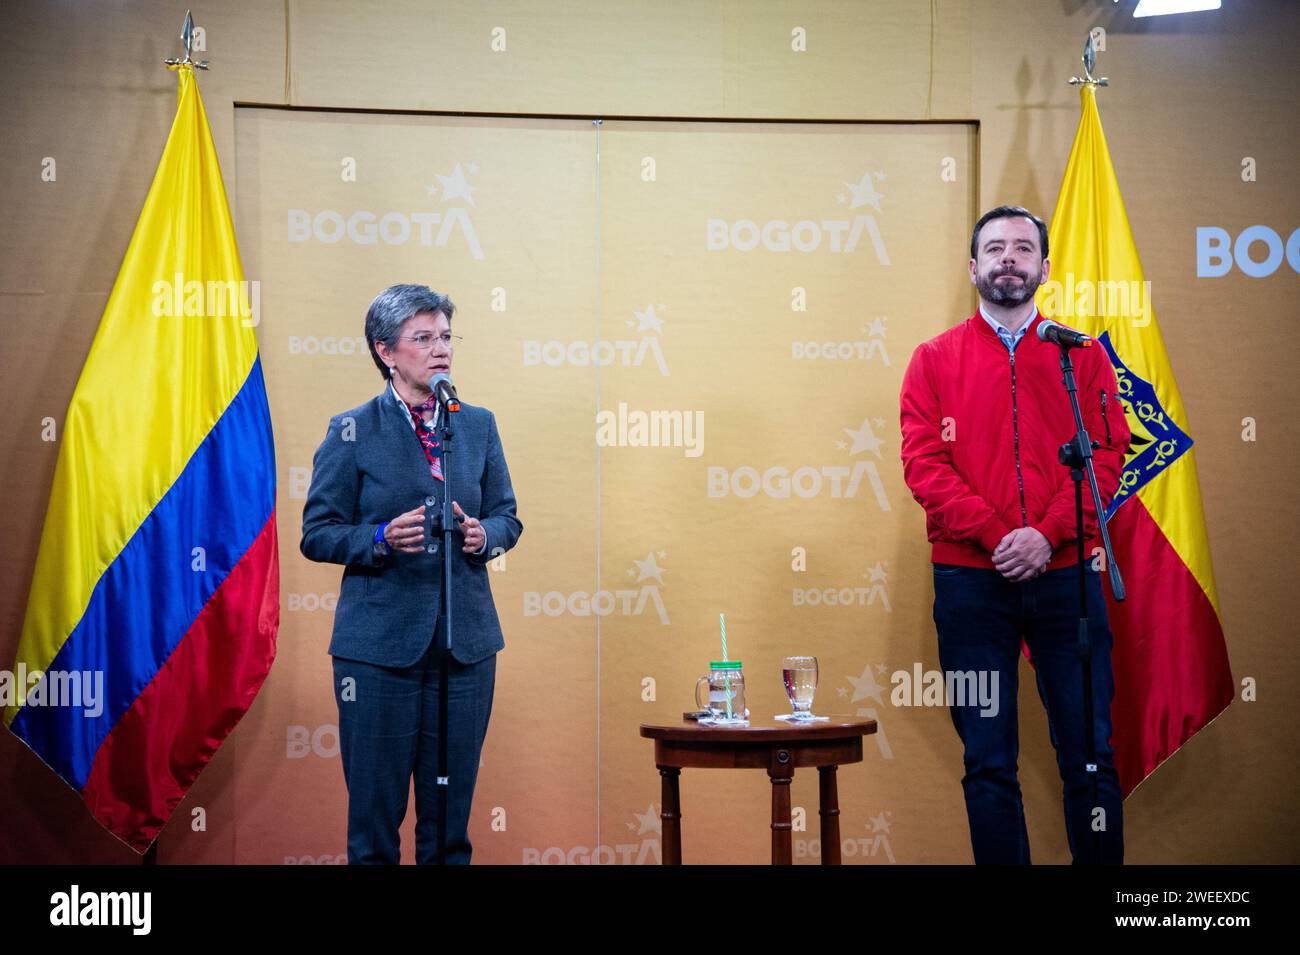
[(152, 616), (1171, 664)]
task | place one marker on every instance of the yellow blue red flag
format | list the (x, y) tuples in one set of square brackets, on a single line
[(152, 617), (1172, 675)]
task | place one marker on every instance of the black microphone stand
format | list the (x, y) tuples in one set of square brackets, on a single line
[(1076, 454), (445, 434)]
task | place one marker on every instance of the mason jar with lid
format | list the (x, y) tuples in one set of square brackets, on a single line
[(726, 691)]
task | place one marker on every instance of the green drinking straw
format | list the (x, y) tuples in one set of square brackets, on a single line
[(726, 674)]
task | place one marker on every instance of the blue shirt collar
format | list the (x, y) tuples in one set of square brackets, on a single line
[(1004, 333)]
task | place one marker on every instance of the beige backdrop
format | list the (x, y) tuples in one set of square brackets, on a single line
[(591, 271)]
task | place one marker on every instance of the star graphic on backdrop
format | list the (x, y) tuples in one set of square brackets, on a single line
[(841, 445), (473, 168), (877, 327), (650, 821), (880, 423), (864, 194), (880, 823), (881, 669), (877, 573), (648, 568), (864, 439), (843, 691), (841, 198), (455, 186), (865, 687), (648, 321), (663, 555), (880, 175), (433, 190)]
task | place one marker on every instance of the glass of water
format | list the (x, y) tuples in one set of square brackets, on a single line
[(800, 684)]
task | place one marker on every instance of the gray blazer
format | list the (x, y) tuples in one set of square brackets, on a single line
[(369, 469)]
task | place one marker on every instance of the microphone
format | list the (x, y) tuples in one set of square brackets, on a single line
[(442, 388), (1058, 334)]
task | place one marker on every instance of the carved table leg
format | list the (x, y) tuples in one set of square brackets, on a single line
[(830, 813), (781, 771), (671, 814)]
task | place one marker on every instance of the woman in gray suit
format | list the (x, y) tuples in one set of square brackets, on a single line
[(375, 477)]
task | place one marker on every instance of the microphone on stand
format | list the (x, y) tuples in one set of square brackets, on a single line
[(442, 388), (1058, 334)]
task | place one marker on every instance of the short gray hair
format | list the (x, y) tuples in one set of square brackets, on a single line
[(393, 308)]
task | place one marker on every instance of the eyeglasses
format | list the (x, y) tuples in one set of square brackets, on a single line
[(425, 340)]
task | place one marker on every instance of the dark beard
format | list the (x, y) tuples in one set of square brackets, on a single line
[(1006, 295)]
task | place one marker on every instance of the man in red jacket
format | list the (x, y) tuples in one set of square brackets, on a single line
[(983, 413)]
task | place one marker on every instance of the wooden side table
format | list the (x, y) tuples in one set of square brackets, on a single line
[(779, 747)]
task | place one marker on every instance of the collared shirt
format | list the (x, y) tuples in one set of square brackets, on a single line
[(406, 409), (1004, 333)]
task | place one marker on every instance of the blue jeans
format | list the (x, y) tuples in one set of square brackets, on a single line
[(980, 617), (388, 732)]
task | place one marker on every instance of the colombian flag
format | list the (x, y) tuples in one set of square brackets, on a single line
[(1171, 664), (157, 578)]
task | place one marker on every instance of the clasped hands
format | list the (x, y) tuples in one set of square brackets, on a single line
[(1022, 554), (406, 531)]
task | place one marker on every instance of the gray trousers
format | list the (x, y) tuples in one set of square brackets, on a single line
[(388, 732)]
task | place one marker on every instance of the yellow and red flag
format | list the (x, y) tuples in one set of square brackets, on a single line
[(1172, 675)]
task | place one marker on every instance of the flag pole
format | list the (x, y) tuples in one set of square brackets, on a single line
[(150, 855), (1077, 456)]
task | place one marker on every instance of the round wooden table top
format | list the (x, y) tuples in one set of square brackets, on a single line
[(760, 730)]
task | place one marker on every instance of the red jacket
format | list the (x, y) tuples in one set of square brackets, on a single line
[(981, 431)]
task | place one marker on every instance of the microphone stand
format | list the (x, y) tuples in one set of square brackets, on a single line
[(445, 435), (1076, 454)]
